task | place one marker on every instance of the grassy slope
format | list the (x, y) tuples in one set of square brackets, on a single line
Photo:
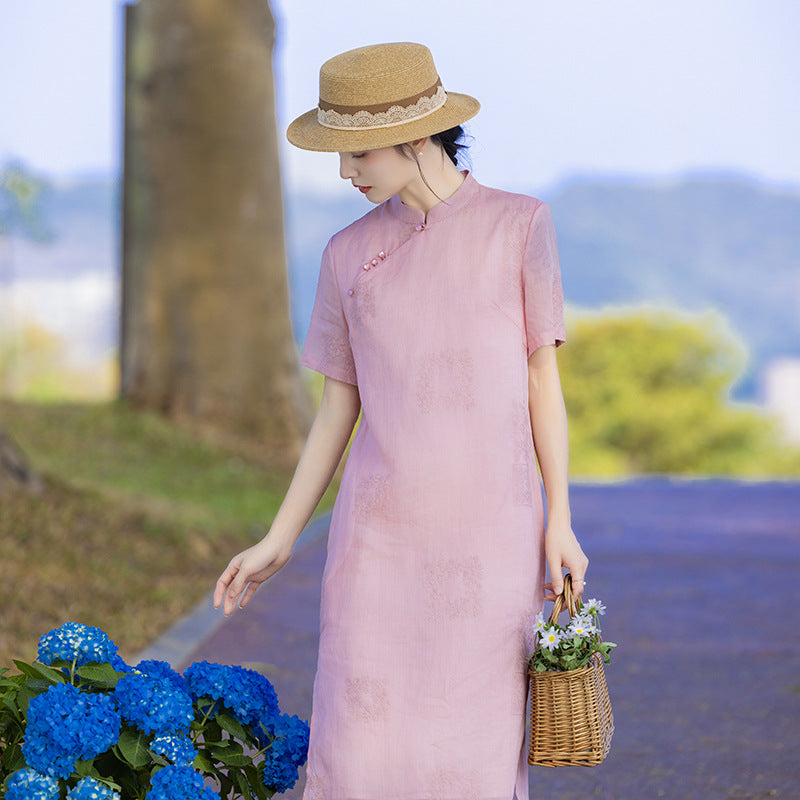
[(137, 520)]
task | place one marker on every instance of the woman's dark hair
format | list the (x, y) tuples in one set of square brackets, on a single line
[(449, 142)]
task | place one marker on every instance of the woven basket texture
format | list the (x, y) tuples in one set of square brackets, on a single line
[(571, 723)]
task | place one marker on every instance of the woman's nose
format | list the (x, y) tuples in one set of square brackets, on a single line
[(346, 171)]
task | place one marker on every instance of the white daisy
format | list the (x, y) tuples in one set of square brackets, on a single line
[(539, 622), (551, 638), (582, 626), (594, 605)]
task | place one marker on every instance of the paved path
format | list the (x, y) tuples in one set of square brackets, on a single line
[(700, 579)]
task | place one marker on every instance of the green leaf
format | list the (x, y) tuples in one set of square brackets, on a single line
[(203, 762), (38, 685), (48, 673), (254, 776), (242, 784), (229, 756), (133, 747), (232, 726), (100, 674)]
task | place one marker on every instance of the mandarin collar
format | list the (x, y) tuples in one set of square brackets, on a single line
[(456, 201)]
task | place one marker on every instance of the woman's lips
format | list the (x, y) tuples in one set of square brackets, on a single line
[(364, 189)]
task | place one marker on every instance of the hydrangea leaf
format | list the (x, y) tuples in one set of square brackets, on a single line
[(102, 675), (202, 761), (36, 670), (133, 747), (241, 783), (256, 784), (232, 725)]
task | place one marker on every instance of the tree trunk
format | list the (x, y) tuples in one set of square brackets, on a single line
[(205, 326)]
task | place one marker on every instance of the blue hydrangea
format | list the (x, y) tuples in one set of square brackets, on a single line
[(27, 784), (119, 665), (289, 750), (279, 775), (179, 783), (74, 641), (244, 692), (291, 738), (90, 789), (66, 725), (153, 704), (177, 749), (161, 669)]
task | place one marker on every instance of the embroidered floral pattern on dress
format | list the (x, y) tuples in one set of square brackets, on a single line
[(447, 783), (372, 497), (396, 115), (454, 587), (337, 351), (365, 303), (367, 698), (445, 381)]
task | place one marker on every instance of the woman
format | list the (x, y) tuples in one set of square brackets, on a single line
[(437, 316)]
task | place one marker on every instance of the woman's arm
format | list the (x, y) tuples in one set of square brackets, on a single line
[(551, 441), (330, 432)]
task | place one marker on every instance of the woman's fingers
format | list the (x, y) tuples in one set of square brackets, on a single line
[(224, 581)]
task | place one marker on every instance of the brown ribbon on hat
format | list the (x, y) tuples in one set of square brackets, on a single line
[(382, 115)]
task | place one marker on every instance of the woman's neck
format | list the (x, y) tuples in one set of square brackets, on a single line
[(443, 179)]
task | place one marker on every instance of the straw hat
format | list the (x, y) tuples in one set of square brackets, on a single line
[(379, 96)]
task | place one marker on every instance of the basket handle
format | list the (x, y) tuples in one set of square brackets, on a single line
[(566, 600)]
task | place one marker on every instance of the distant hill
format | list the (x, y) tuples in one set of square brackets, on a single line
[(707, 241), (692, 243)]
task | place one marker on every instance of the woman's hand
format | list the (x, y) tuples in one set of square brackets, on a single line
[(333, 424), (246, 572), (563, 550)]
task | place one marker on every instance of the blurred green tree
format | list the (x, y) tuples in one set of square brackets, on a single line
[(648, 391)]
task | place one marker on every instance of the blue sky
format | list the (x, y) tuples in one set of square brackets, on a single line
[(567, 86)]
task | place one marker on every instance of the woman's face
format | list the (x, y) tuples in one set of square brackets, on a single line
[(378, 174)]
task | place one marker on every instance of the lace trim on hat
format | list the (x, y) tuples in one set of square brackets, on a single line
[(396, 115)]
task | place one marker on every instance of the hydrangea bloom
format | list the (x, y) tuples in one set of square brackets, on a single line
[(119, 665), (90, 789), (179, 783), (66, 725), (279, 775), (154, 705), (287, 753), (76, 642), (27, 784), (178, 749), (161, 669), (246, 693)]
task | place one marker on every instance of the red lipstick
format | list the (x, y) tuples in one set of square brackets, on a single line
[(363, 189)]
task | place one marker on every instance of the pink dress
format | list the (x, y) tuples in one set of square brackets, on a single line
[(435, 564)]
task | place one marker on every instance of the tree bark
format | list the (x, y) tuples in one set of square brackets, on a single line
[(205, 326)]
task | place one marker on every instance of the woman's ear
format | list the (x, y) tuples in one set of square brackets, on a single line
[(419, 144)]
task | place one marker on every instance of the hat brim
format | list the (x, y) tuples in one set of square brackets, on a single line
[(307, 133)]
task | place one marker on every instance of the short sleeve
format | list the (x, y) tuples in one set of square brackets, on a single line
[(541, 280), (327, 346)]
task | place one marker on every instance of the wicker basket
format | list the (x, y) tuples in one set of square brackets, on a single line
[(571, 722)]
